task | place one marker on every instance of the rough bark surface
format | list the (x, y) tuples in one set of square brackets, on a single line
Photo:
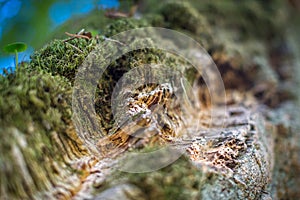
[(253, 155)]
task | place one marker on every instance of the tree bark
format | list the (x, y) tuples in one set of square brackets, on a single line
[(254, 155)]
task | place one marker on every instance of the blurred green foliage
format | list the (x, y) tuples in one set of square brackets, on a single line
[(32, 24)]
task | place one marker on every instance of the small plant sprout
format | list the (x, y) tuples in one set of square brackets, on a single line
[(16, 48)]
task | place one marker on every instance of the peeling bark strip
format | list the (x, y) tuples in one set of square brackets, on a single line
[(254, 155)]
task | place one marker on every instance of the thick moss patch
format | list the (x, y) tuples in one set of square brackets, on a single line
[(62, 58), (34, 106)]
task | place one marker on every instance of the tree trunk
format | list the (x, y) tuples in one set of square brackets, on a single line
[(250, 150)]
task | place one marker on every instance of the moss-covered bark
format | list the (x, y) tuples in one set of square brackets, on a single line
[(42, 155)]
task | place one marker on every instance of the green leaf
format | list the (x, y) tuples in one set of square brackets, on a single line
[(15, 47)]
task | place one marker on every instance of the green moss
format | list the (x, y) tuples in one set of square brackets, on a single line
[(62, 58), (123, 25), (33, 105), (155, 19), (35, 102), (180, 180), (28, 96), (182, 15)]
